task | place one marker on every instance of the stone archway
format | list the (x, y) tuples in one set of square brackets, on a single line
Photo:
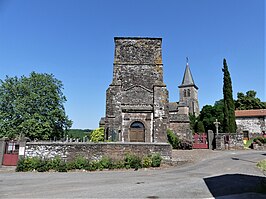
[(137, 132)]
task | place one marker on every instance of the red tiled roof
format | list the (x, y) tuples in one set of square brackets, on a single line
[(250, 113)]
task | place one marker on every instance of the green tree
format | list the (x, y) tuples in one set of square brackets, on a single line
[(97, 135), (248, 101), (209, 114), (78, 133), (32, 106), (193, 120), (229, 124), (196, 125), (173, 139), (200, 127)]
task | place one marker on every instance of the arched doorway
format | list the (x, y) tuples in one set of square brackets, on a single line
[(137, 132)]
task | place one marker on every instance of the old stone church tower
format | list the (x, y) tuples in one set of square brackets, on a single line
[(137, 107), (188, 92), (188, 104)]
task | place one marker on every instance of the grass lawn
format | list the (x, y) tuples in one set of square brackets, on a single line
[(262, 165)]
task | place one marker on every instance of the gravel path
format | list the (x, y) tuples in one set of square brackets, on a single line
[(193, 156)]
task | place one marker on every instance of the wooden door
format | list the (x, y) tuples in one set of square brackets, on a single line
[(137, 135)]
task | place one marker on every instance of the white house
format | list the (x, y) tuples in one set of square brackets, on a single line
[(251, 122)]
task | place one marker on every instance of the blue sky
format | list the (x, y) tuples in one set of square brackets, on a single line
[(73, 39)]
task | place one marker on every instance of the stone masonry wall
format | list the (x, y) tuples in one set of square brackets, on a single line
[(229, 141), (94, 151), (250, 124), (129, 118), (182, 129), (137, 90)]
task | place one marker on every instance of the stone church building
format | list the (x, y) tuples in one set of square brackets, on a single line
[(188, 104), (137, 106)]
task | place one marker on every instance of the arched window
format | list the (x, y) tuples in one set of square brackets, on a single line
[(188, 92), (137, 125), (185, 92)]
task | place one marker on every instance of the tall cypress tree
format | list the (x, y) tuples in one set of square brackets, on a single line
[(229, 124)]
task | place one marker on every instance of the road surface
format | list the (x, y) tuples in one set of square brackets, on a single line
[(229, 174)]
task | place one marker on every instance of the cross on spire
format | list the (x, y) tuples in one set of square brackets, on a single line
[(187, 78)]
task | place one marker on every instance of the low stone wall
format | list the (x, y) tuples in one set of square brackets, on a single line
[(229, 141), (259, 148), (94, 151)]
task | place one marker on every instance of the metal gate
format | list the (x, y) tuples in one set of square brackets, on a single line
[(200, 141), (11, 153)]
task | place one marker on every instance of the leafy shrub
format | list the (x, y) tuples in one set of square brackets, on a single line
[(20, 165), (156, 160), (78, 133), (146, 161), (80, 162), (71, 165), (186, 144), (26, 164), (43, 166), (31, 164), (93, 166), (173, 139), (132, 161), (35, 162), (62, 167), (262, 165), (248, 143), (57, 164), (97, 135), (119, 164), (105, 163), (260, 140)]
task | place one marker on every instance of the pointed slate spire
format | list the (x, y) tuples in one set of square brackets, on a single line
[(188, 79)]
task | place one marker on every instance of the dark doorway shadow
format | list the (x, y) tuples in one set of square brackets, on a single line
[(264, 154), (230, 184)]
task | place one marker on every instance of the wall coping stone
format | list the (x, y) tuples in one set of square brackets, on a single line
[(150, 38), (99, 143)]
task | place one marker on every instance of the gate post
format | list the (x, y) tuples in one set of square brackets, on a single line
[(220, 145), (210, 139), (2, 149), (22, 146)]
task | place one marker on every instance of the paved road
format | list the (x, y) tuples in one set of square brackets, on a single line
[(227, 173)]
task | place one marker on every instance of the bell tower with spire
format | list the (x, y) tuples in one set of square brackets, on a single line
[(188, 92)]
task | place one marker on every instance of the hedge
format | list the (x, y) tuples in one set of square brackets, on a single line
[(81, 163)]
